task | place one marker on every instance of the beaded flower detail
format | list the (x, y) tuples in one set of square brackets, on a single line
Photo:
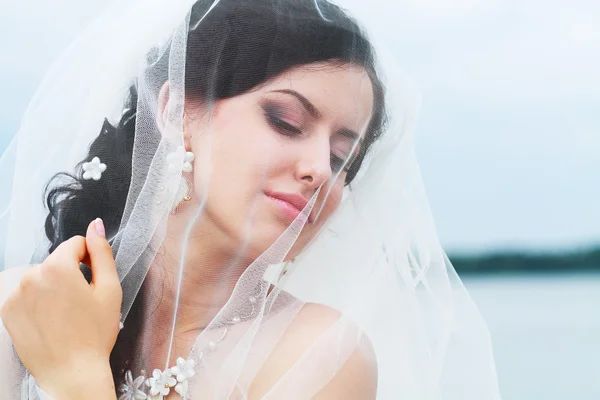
[(130, 389), (160, 383), (183, 371), (93, 169), (177, 377)]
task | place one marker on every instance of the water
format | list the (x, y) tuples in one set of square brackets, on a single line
[(546, 334)]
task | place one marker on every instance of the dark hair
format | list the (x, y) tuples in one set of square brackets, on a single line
[(237, 46)]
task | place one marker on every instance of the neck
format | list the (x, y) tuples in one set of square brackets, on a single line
[(194, 273)]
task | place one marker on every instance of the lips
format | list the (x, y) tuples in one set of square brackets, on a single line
[(295, 200)]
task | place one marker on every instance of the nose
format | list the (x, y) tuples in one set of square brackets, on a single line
[(314, 163)]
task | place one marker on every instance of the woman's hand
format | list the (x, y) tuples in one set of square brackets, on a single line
[(63, 328)]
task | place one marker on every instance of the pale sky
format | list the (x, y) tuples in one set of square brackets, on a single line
[(509, 130)]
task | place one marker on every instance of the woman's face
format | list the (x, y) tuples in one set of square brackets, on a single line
[(262, 155)]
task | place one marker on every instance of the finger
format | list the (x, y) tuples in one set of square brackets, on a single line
[(102, 263), (69, 253)]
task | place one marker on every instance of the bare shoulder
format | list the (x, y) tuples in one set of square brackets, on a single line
[(357, 377), (329, 350), (322, 316)]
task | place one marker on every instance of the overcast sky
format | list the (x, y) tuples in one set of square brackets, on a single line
[(509, 130)]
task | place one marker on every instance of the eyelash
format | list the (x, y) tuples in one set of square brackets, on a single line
[(278, 124), (271, 114), (337, 163)]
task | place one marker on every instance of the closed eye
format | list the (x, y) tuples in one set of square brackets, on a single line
[(273, 116), (338, 164)]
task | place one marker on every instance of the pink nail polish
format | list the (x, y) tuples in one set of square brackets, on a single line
[(100, 227)]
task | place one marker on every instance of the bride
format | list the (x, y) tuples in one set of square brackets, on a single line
[(247, 224)]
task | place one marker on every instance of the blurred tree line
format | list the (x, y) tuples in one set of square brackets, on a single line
[(529, 262)]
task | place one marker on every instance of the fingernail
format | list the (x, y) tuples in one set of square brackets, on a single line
[(100, 227)]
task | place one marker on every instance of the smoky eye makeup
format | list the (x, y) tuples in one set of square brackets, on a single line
[(280, 118), (344, 150), (342, 162), (338, 163), (287, 120)]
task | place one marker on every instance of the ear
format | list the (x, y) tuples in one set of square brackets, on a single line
[(162, 113), (162, 108)]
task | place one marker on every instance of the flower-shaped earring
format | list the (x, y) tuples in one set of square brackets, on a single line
[(93, 169), (180, 160), (184, 193)]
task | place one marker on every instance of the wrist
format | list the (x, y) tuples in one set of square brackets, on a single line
[(90, 382)]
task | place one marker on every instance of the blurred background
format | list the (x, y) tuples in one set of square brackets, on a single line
[(509, 144)]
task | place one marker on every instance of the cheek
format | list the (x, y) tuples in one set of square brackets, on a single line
[(241, 137), (233, 160), (329, 200), (328, 203)]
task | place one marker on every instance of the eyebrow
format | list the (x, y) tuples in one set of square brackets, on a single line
[(312, 110)]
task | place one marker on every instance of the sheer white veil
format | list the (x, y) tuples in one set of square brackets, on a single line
[(377, 262)]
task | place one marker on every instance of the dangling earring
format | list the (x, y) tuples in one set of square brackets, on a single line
[(181, 161), (184, 193)]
